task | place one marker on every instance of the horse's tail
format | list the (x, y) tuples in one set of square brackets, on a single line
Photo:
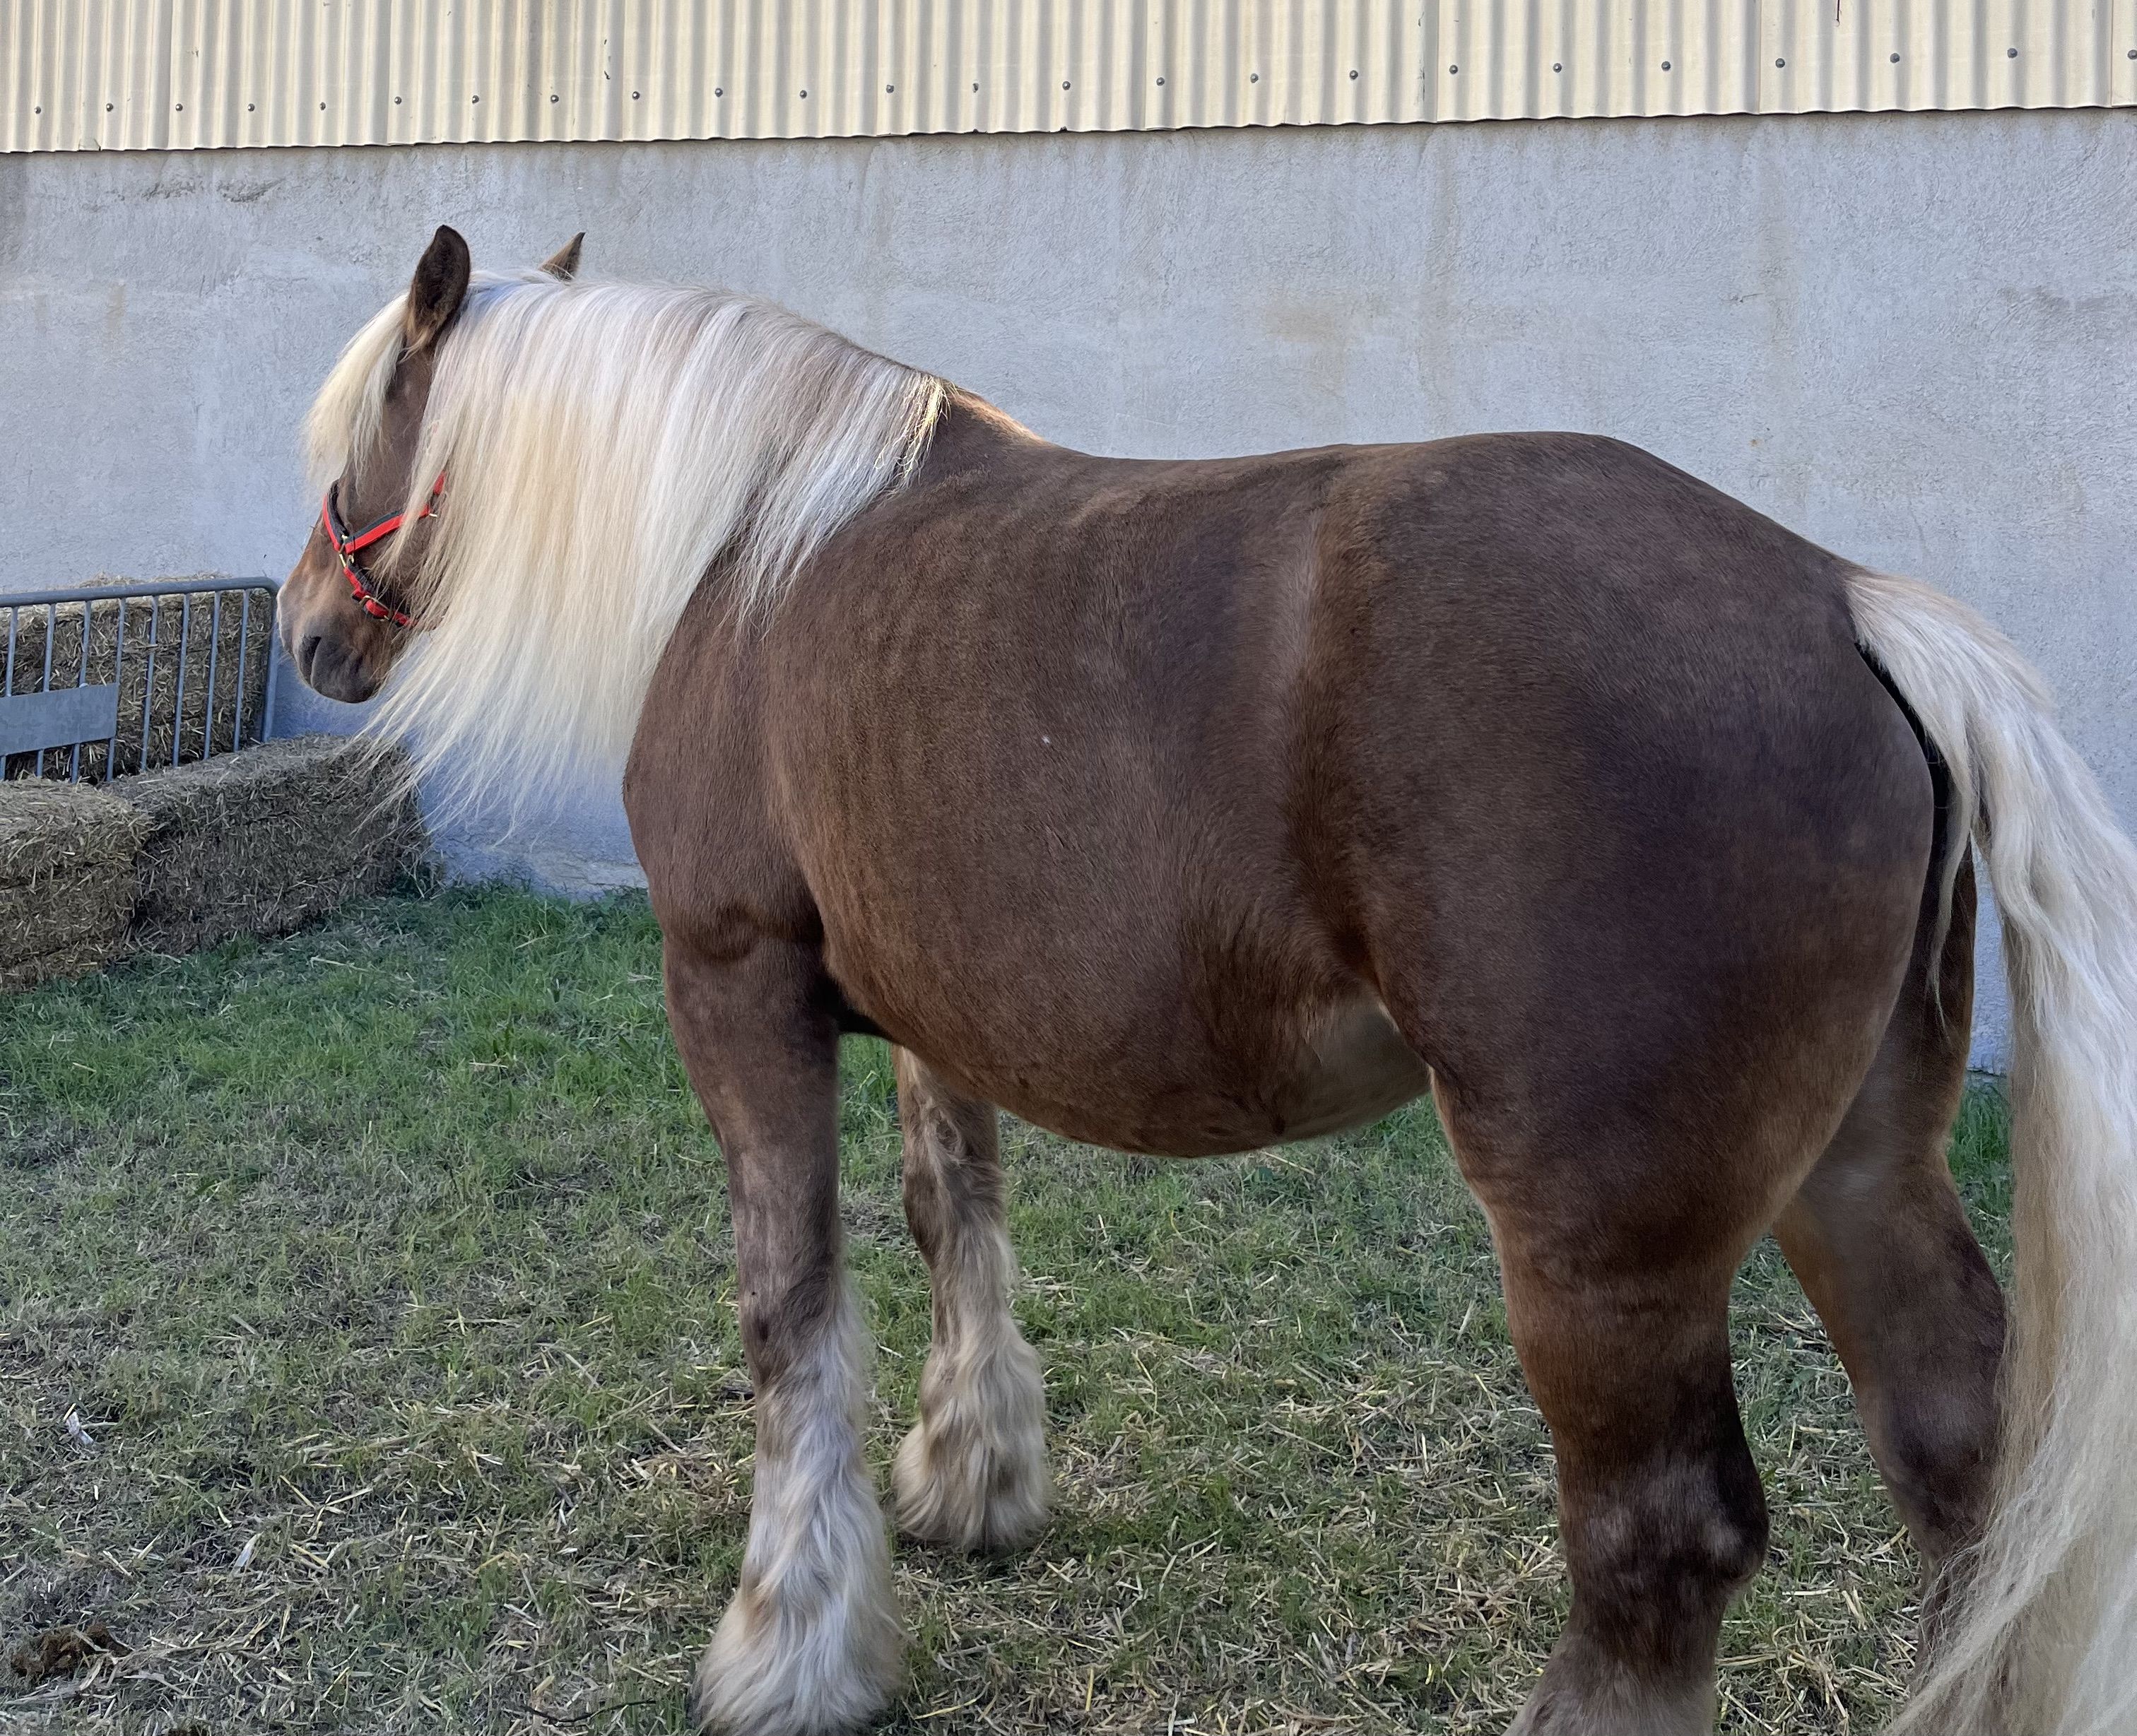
[(2040, 1636)]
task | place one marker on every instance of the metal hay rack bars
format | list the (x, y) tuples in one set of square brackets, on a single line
[(106, 680)]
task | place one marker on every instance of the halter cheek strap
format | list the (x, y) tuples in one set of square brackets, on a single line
[(347, 547)]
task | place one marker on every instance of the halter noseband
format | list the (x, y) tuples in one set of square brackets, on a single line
[(346, 547)]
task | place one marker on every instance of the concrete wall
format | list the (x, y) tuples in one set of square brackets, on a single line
[(1913, 338)]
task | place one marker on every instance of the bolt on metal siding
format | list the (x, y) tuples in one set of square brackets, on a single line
[(136, 75)]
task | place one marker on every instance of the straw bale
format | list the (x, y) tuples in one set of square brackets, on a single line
[(264, 841), (68, 861)]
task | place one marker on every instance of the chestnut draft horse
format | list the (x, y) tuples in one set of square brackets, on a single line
[(1186, 807)]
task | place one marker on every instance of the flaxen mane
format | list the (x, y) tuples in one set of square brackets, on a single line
[(605, 445)]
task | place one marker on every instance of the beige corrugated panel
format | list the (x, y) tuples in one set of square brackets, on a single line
[(87, 74)]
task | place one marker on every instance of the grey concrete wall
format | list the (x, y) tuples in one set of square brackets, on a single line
[(1913, 338)]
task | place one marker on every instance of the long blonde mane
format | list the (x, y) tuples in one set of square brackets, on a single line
[(607, 446)]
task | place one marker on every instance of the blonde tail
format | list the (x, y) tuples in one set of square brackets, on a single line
[(2042, 1639)]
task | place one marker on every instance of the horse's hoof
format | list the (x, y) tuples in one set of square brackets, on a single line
[(972, 1476), (822, 1671)]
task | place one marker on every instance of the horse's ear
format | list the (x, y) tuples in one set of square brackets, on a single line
[(564, 262), (439, 287)]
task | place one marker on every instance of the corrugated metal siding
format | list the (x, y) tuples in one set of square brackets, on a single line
[(1502, 59), (87, 74)]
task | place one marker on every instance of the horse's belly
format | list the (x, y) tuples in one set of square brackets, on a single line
[(1346, 1066)]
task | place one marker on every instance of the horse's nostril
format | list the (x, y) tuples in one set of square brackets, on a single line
[(305, 652)]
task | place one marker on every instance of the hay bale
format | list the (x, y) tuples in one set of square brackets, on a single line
[(195, 672), (264, 841), (68, 859)]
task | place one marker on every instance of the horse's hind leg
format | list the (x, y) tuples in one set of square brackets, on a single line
[(1623, 1330), (1626, 1176), (973, 1475), (1881, 1245)]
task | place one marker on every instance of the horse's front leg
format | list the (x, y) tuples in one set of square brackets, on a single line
[(811, 1642), (973, 1475)]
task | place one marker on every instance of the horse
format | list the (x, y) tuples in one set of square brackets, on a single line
[(1191, 807)]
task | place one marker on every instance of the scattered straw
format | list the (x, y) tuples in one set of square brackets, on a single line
[(407, 1284)]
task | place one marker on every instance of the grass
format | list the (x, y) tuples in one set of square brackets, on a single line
[(387, 1271)]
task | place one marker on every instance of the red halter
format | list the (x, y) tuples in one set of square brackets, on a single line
[(346, 547)]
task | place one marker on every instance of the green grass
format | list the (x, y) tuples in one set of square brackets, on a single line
[(396, 1254)]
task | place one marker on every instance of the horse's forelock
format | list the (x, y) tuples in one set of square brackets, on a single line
[(344, 418)]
